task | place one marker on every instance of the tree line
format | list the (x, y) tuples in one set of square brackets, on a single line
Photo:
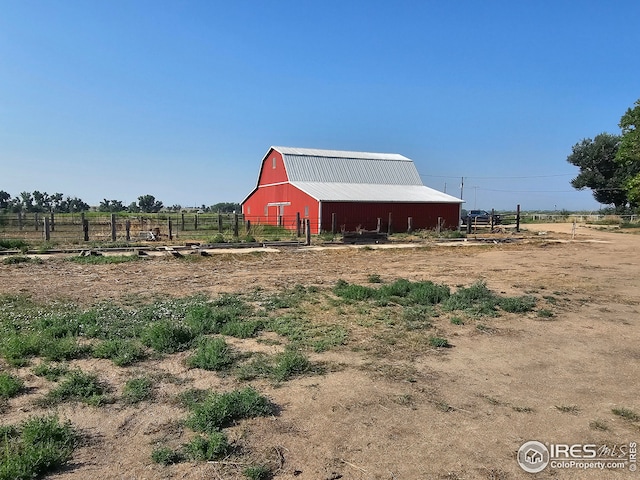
[(42, 202), (610, 164)]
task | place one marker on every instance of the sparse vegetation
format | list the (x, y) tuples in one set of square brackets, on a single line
[(137, 390), (122, 352), (10, 385), (626, 413), (78, 386), (219, 410), (574, 409), (104, 259), (212, 447), (37, 446), (212, 354)]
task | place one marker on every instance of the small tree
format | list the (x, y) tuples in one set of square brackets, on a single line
[(4, 200)]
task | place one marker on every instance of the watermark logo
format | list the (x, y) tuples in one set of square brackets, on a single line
[(534, 456)]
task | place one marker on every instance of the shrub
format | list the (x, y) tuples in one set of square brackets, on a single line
[(220, 410), (374, 278), (78, 386), (244, 329), (166, 337), (104, 259), (212, 354), (353, 292), (166, 456), (476, 300), (16, 259), (439, 342), (58, 349), (38, 446), (17, 348), (49, 371), (122, 352), (258, 472), (13, 244), (213, 447), (137, 390), (517, 304), (545, 313), (626, 414), (288, 364), (10, 385)]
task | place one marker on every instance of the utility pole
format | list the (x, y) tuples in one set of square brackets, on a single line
[(461, 187)]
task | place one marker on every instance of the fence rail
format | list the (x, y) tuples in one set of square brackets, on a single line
[(210, 227), (205, 228)]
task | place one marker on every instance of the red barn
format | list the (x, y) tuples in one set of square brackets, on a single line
[(358, 187)]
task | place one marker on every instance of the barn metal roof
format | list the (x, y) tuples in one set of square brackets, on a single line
[(312, 165), (361, 192)]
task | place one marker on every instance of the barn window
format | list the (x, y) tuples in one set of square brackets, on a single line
[(306, 211), (248, 209), (266, 211), (273, 162)]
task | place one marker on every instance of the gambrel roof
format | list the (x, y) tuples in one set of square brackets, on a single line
[(346, 176)]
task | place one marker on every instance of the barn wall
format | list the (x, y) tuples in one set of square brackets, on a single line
[(254, 207), (268, 174), (353, 215)]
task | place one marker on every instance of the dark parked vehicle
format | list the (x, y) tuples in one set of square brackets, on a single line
[(480, 217)]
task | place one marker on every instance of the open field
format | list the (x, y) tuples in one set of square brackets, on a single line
[(383, 387)]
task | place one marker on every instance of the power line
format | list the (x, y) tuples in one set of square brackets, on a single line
[(499, 178)]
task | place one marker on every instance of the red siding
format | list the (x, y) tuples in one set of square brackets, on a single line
[(353, 215), (254, 207), (268, 174)]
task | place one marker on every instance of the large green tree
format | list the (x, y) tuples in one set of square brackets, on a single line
[(629, 152), (600, 171), (148, 204)]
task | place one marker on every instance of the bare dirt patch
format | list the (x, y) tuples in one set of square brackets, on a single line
[(389, 406)]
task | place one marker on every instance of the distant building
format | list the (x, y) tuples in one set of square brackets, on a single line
[(358, 187)]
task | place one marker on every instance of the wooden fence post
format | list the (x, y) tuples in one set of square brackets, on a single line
[(518, 218), (195, 221), (219, 222), (390, 226), (47, 231), (37, 220), (334, 223), (307, 228), (170, 227), (53, 223), (379, 227), (409, 224), (182, 222), (493, 212), (248, 226), (439, 227), (127, 227), (468, 224), (113, 227), (298, 226), (85, 229), (235, 225), (20, 220)]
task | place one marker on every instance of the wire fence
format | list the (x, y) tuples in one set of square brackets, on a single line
[(209, 228), (131, 228)]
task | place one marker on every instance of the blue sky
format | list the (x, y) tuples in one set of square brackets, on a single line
[(182, 99)]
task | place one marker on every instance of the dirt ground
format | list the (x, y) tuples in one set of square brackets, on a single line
[(388, 412)]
